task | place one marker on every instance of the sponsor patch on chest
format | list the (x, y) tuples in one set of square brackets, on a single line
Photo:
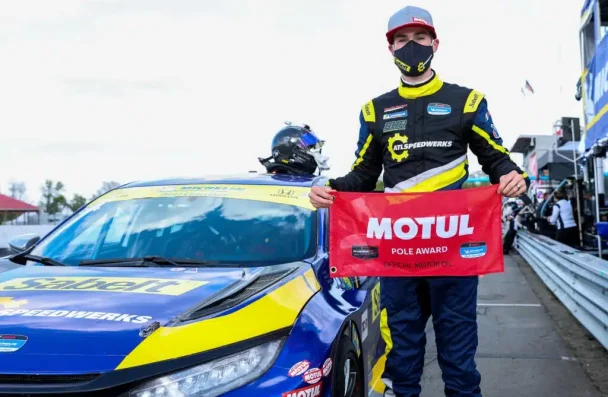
[(397, 125), (395, 115), (437, 109), (393, 108), (399, 146)]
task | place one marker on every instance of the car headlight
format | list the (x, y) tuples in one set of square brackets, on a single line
[(215, 377)]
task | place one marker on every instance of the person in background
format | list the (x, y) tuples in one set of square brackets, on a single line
[(563, 217)]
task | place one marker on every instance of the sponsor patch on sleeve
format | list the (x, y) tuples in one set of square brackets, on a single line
[(495, 133)]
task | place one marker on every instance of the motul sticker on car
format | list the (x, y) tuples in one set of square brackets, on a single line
[(313, 375), (299, 368), (308, 391)]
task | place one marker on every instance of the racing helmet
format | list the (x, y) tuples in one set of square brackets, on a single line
[(295, 150), (302, 136)]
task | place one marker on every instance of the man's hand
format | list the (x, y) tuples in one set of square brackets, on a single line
[(320, 196), (512, 184)]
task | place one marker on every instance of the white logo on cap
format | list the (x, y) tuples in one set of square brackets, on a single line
[(419, 20)]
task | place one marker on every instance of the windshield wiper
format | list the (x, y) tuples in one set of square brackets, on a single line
[(150, 261), (40, 259)]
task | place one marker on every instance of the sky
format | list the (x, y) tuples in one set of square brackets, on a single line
[(125, 90)]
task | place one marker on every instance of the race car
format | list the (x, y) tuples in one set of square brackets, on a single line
[(189, 287)]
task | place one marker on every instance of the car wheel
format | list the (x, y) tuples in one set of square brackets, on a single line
[(347, 380)]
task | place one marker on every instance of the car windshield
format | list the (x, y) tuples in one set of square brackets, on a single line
[(239, 225)]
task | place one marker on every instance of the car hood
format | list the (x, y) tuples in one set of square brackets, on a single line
[(84, 320)]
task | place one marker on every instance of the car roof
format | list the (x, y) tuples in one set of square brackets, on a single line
[(239, 179)]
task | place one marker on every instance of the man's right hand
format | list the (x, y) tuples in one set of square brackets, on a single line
[(321, 197)]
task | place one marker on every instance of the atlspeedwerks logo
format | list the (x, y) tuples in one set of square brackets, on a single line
[(396, 146)]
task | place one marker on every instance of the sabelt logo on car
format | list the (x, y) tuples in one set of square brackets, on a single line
[(156, 286), (313, 375), (308, 391)]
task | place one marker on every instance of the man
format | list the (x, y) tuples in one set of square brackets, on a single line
[(419, 133)]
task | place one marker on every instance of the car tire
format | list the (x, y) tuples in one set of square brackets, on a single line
[(347, 363)]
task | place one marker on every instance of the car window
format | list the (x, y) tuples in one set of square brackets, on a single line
[(229, 230)]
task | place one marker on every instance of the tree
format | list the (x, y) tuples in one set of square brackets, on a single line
[(53, 200), (76, 202), (17, 189), (106, 186)]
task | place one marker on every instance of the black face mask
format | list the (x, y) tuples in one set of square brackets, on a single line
[(413, 59)]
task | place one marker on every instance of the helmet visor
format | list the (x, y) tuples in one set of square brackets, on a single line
[(311, 141)]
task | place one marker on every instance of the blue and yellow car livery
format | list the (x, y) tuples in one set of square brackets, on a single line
[(189, 288)]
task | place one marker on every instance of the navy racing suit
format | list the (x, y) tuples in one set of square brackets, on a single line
[(420, 135)]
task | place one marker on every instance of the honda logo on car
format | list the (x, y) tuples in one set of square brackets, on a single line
[(308, 391), (419, 227)]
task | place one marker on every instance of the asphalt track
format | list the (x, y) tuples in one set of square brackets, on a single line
[(529, 344)]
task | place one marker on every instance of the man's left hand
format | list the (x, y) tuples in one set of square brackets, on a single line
[(512, 185)]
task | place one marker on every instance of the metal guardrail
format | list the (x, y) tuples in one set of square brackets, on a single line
[(578, 279)]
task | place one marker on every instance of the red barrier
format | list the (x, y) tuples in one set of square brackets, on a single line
[(444, 233)]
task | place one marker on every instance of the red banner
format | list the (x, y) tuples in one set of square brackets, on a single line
[(444, 233)]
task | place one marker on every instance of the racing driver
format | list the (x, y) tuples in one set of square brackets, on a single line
[(419, 133)]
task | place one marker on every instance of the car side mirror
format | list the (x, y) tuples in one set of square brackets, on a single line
[(23, 242)]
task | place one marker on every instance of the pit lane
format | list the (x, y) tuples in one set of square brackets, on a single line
[(529, 344)]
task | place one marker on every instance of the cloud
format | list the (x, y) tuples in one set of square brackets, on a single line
[(116, 87), (143, 89)]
